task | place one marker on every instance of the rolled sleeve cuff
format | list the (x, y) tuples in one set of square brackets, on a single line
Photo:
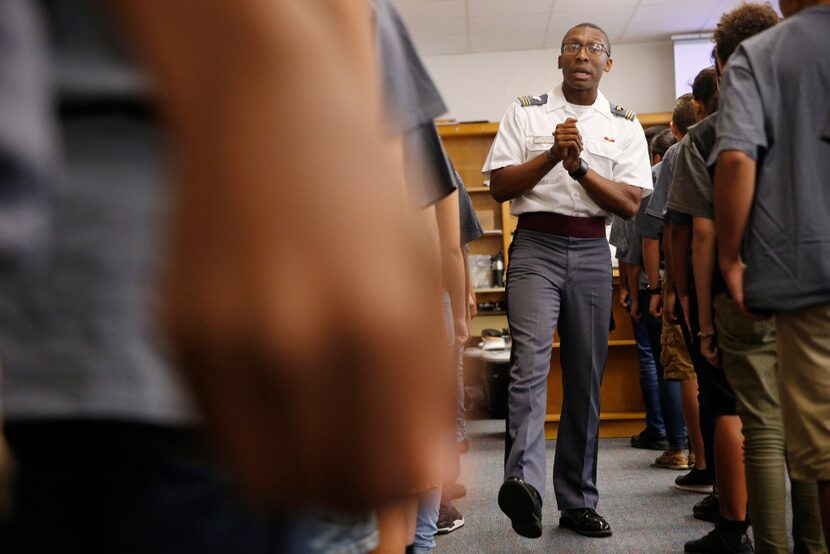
[(693, 212), (725, 144)]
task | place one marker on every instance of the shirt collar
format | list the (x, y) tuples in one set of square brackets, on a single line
[(556, 99)]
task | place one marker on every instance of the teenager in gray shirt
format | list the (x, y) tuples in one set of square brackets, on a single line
[(771, 197)]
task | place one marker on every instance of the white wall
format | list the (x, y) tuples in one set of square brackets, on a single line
[(480, 86)]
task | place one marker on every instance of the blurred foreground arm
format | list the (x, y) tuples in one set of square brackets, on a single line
[(300, 305)]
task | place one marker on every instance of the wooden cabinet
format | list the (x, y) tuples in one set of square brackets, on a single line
[(622, 412)]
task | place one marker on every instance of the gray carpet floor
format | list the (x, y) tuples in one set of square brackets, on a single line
[(646, 512)]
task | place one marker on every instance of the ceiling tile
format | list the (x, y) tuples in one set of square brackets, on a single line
[(431, 10), (488, 42), (481, 8), (441, 45), (531, 24), (437, 27), (692, 17), (612, 21), (591, 8)]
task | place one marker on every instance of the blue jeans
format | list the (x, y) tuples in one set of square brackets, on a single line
[(460, 420), (667, 392), (332, 533), (429, 503), (648, 378)]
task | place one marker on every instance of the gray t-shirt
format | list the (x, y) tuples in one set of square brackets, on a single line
[(28, 149), (776, 109), (662, 186), (470, 226), (646, 225), (629, 245), (691, 188), (78, 333), (413, 102)]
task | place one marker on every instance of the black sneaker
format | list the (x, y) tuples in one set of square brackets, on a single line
[(695, 481), (523, 505), (648, 441), (707, 509), (716, 542), (449, 519)]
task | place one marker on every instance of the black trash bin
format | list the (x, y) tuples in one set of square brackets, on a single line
[(495, 376)]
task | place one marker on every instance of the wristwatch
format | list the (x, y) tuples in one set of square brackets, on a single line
[(579, 172), (656, 290), (707, 334)]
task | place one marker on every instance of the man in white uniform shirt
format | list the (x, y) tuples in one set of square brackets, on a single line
[(566, 160)]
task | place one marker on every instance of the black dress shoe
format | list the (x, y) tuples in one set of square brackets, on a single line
[(585, 521), (523, 505)]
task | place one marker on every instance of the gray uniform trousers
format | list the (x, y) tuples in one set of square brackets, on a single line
[(553, 279)]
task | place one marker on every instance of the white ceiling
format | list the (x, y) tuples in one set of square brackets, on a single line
[(465, 26)]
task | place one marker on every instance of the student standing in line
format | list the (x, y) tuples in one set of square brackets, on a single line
[(674, 357), (771, 203), (692, 194), (674, 455), (109, 448), (623, 236), (747, 348), (567, 160), (704, 102)]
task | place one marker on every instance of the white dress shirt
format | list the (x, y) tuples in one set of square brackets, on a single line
[(614, 147)]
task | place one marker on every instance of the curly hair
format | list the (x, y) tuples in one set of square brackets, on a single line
[(743, 22)]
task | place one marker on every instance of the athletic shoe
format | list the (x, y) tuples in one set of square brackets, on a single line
[(449, 519), (718, 542), (707, 509), (695, 481), (648, 441), (672, 460)]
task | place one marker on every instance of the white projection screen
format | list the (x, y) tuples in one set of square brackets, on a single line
[(691, 54)]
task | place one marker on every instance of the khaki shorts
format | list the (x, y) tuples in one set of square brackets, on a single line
[(804, 382), (674, 357)]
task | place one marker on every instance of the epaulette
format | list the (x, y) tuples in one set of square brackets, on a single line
[(619, 111), (526, 101)]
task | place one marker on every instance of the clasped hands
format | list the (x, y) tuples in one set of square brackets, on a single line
[(567, 145)]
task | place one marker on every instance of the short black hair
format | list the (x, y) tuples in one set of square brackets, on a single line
[(662, 142), (736, 26), (705, 89), (593, 26), (683, 115), (652, 132)]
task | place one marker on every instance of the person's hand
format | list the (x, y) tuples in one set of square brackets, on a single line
[(684, 305), (635, 307), (462, 330), (709, 350), (567, 144), (669, 304), (624, 297), (655, 305)]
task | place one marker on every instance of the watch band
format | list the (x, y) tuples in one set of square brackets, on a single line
[(580, 172)]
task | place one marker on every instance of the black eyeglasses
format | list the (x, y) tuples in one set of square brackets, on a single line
[(593, 48)]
